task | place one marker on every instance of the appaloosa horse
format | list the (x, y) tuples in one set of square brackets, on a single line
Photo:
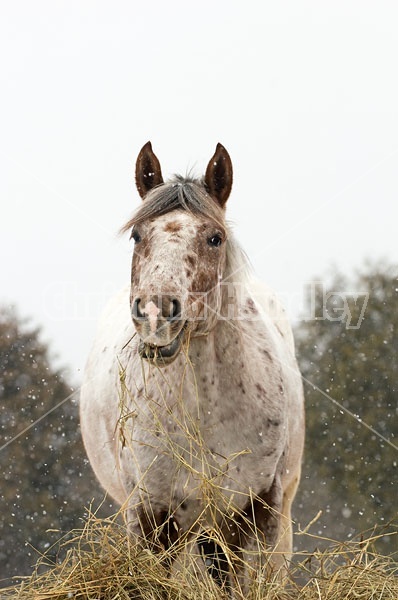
[(192, 402)]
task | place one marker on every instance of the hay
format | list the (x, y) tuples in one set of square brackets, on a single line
[(349, 571), (102, 564)]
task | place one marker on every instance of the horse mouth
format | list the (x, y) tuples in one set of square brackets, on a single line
[(162, 355)]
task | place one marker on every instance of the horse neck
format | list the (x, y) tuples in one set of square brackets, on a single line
[(224, 331)]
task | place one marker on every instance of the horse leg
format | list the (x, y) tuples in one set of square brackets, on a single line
[(285, 542), (273, 530), (154, 528), (254, 535), (192, 553)]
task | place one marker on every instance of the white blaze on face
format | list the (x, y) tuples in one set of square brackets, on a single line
[(152, 311)]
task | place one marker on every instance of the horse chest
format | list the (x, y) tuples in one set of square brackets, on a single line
[(225, 434)]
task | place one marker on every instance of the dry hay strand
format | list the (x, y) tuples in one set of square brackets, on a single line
[(350, 571), (101, 563)]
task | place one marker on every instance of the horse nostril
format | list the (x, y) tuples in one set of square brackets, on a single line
[(135, 310), (175, 309)]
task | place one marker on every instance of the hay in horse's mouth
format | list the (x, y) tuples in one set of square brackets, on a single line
[(162, 355)]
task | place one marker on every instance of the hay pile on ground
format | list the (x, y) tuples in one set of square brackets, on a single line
[(102, 564)]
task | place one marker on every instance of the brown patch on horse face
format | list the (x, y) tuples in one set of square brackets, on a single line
[(190, 260), (135, 271), (211, 259), (172, 227)]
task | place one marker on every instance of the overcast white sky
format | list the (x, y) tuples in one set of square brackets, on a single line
[(304, 96)]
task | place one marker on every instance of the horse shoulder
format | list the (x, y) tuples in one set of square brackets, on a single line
[(99, 401)]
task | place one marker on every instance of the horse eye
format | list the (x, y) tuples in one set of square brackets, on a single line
[(215, 240), (136, 236)]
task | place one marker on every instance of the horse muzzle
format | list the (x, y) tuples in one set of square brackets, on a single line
[(162, 355), (159, 323)]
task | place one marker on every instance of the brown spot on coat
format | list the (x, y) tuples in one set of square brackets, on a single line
[(267, 354), (251, 306), (262, 392), (172, 227)]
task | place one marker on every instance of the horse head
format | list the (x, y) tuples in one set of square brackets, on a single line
[(179, 255)]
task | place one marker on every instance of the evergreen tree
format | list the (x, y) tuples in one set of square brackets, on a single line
[(347, 352), (46, 481)]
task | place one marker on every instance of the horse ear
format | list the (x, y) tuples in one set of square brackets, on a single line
[(148, 173), (218, 178)]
